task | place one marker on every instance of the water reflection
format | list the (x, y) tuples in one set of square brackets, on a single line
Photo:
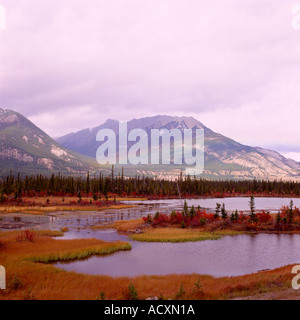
[(230, 256), (71, 220), (227, 257)]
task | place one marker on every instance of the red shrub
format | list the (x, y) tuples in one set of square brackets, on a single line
[(263, 217), (195, 222), (242, 217), (206, 216), (161, 220), (176, 218)]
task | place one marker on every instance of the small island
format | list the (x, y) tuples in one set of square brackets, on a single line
[(197, 225)]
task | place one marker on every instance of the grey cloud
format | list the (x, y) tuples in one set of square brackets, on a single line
[(123, 58)]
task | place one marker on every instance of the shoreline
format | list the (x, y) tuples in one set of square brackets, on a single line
[(46, 205), (270, 283), (18, 259), (137, 230)]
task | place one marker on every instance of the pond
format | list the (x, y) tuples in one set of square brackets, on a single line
[(230, 256)]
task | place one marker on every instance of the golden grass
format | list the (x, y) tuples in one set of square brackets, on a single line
[(45, 281), (36, 210), (128, 199), (59, 200), (126, 225), (170, 234), (50, 233), (79, 251), (122, 225), (46, 249), (174, 235), (44, 205)]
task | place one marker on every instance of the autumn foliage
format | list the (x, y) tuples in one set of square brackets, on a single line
[(287, 219)]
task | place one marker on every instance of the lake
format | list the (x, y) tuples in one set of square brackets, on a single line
[(230, 256), (78, 220)]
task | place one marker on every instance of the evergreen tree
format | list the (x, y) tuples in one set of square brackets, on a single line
[(252, 209), (236, 214), (217, 211), (192, 212), (223, 212), (87, 188), (185, 209), (79, 196), (290, 215), (278, 218)]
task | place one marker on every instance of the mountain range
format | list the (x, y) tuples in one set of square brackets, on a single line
[(27, 149), (224, 157)]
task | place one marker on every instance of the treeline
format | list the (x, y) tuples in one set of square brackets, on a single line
[(141, 186)]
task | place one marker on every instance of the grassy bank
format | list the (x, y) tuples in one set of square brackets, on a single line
[(176, 235), (42, 210), (79, 251), (123, 226), (39, 246), (173, 235)]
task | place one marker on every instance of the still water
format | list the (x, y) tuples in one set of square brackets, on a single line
[(78, 220), (235, 203), (230, 256)]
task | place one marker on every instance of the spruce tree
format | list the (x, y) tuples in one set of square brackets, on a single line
[(252, 209), (185, 209), (217, 210), (192, 212), (290, 212), (223, 212)]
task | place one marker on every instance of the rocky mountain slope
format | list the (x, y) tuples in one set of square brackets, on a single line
[(26, 149)]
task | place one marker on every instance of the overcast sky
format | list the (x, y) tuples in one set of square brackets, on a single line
[(232, 64)]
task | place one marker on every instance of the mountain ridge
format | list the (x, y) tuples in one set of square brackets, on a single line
[(27, 149), (224, 157)]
